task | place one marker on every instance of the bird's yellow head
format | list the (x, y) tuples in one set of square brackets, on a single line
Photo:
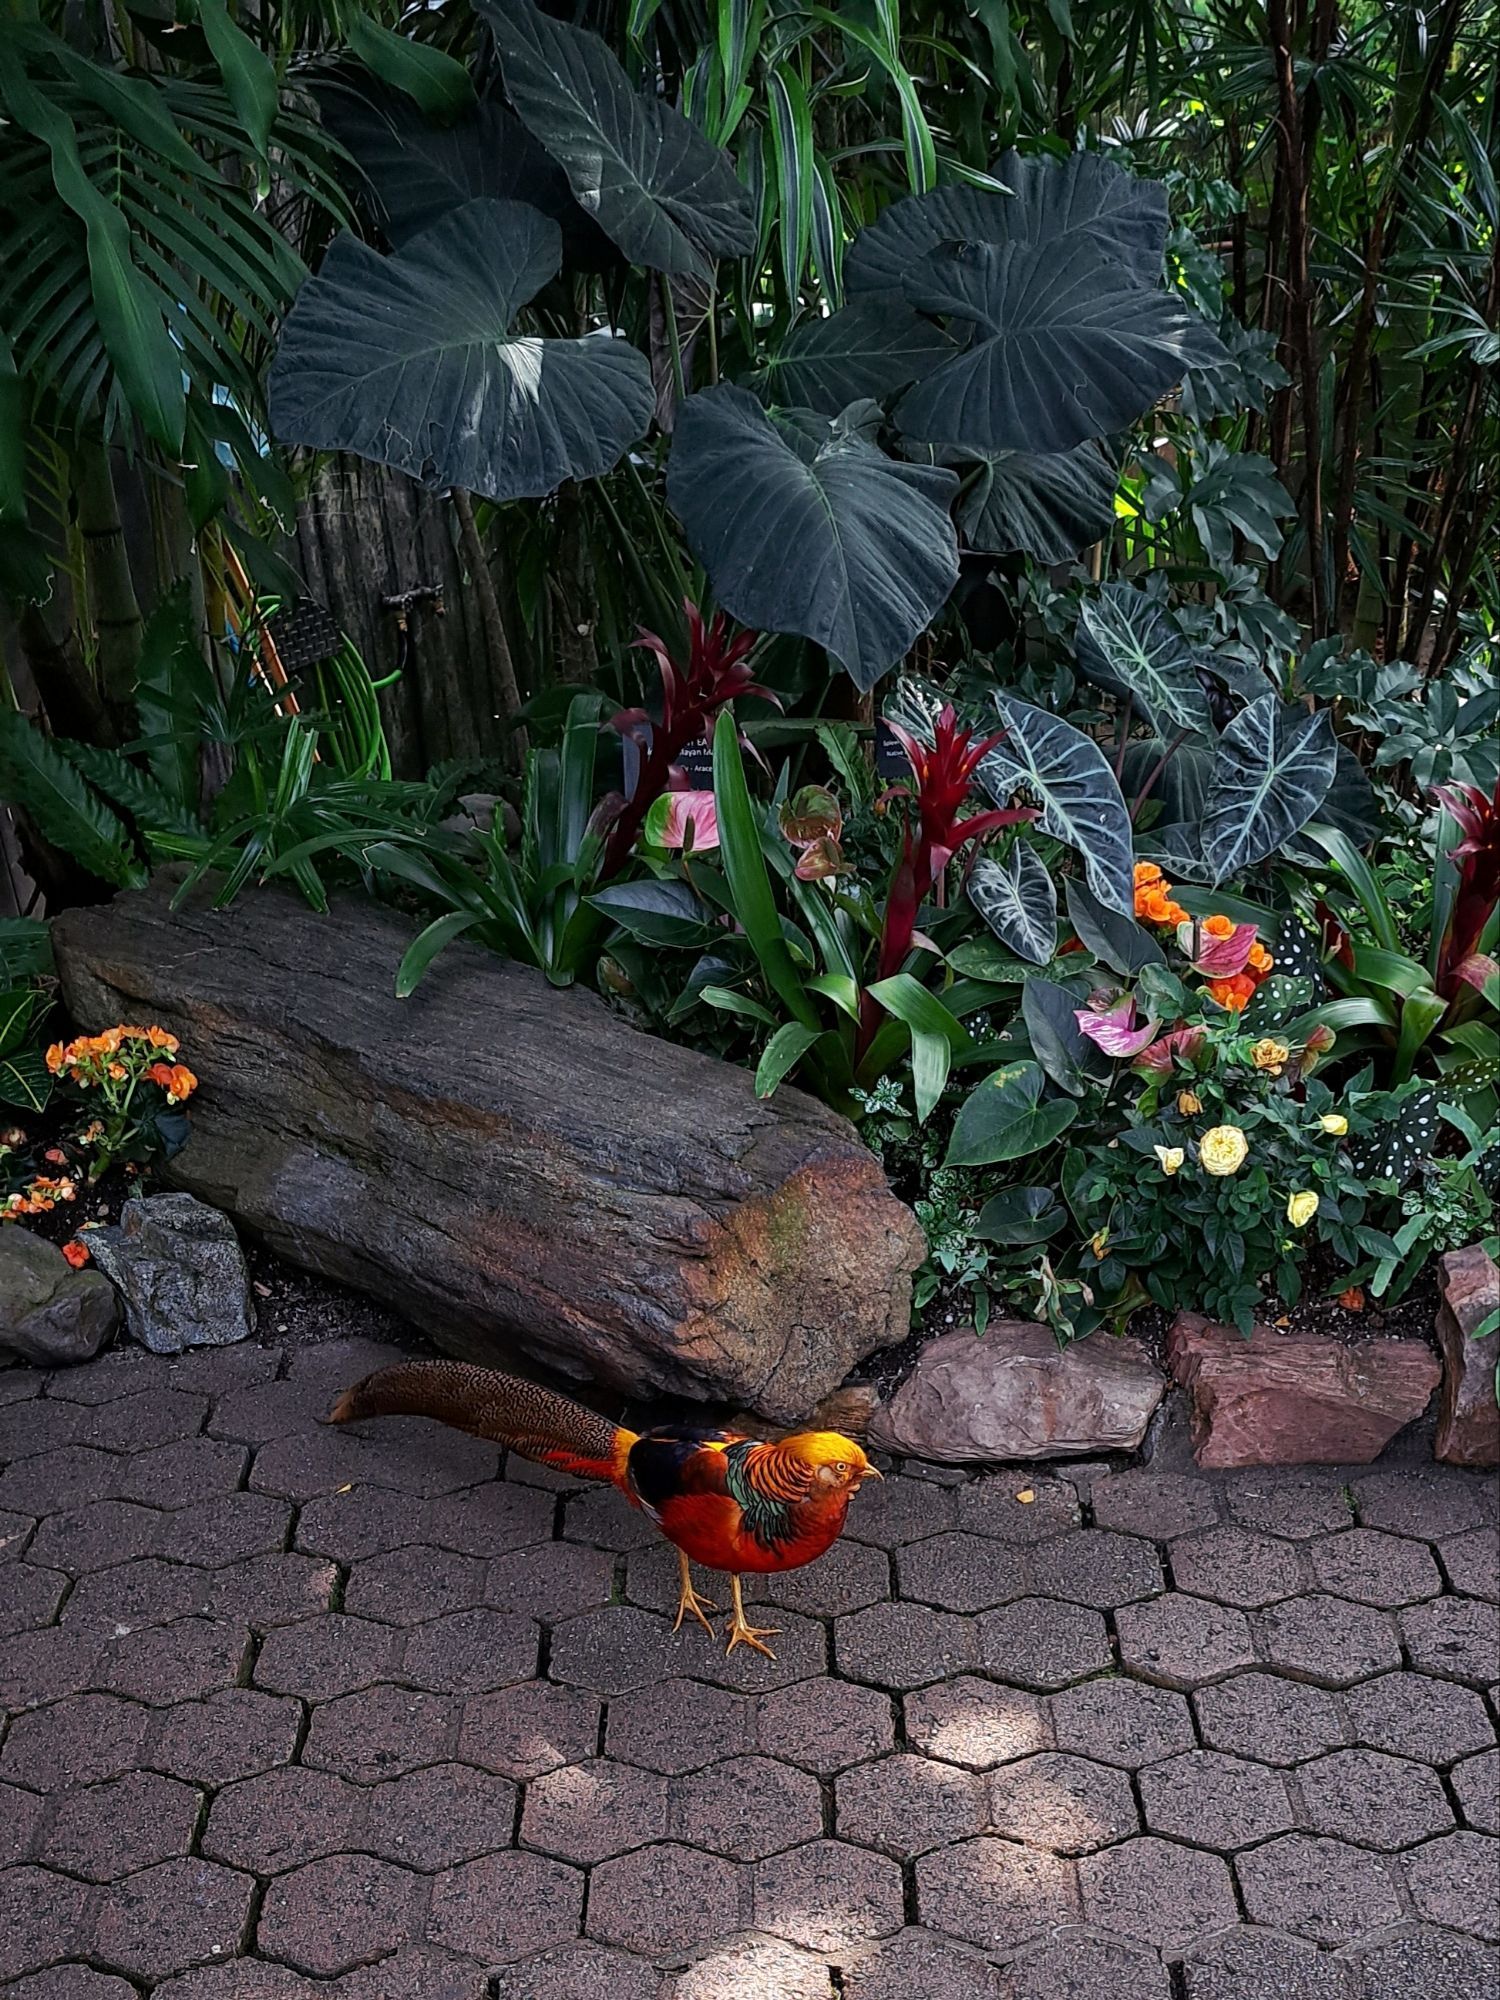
[(837, 1463)]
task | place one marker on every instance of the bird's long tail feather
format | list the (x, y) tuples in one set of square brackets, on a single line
[(525, 1418)]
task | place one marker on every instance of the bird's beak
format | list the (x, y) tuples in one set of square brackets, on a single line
[(870, 1472)]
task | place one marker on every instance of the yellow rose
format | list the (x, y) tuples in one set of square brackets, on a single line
[(1099, 1243), (1188, 1102), (1222, 1149), (1271, 1055), (1334, 1124), (1301, 1208), (1171, 1157)]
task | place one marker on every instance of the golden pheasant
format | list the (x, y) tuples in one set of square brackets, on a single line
[(726, 1502)]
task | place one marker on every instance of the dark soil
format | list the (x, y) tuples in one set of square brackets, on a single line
[(294, 1305)]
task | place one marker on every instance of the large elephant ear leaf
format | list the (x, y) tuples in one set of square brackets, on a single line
[(416, 171), (880, 257), (1088, 195), (1065, 344), (1017, 899), (1067, 775), (1272, 770), (658, 189), (1127, 643), (1052, 504), (408, 360), (870, 348), (807, 526)]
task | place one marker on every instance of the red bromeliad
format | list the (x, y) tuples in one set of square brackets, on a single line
[(1460, 962), (692, 693), (944, 774)]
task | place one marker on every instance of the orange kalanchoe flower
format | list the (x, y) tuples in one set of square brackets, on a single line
[(1260, 960), (1146, 872), (176, 1079), (1233, 993), (76, 1253)]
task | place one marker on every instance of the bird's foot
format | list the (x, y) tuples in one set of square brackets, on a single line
[(742, 1632), (691, 1605)]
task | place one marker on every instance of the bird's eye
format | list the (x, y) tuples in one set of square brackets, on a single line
[(841, 1469)]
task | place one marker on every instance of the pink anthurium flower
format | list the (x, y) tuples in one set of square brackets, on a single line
[(1221, 953), (1115, 1031), (1178, 1043), (689, 820)]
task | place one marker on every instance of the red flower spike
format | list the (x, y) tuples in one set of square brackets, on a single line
[(1478, 891)]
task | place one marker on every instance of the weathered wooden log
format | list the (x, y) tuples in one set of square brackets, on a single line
[(512, 1166)]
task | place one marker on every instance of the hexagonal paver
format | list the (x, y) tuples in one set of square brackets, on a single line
[(908, 1804), (176, 1662), (177, 1475), (850, 1576), (903, 1645), (740, 1967), (330, 1915), (70, 1477), (29, 1596), (72, 1982), (1246, 1963), (1427, 1502), (76, 1741), (1121, 1722), (20, 1819), (823, 1725), (407, 1585), (283, 1818), (577, 1972), (1042, 1643), (438, 1816), (1097, 1568), (1158, 1505), (960, 1572), (1213, 1800), (976, 1723), (326, 1656), (506, 1906), (233, 1734), (363, 1521), (827, 1895), (471, 1652), (147, 1591), (1081, 1964), (1017, 1508), (412, 1972), (554, 1581), (1452, 1882), (381, 1732), (679, 1726), (902, 1510), (1457, 1637), (589, 1811), (1262, 1716), (228, 1528), (600, 1518), (97, 1536), (116, 1828), (1319, 1889), (167, 1918), (55, 1661), (1472, 1562), (270, 1590), (800, 1645), (489, 1520), (746, 1807), (1235, 1566), (1181, 1642), (42, 1918), (616, 1650), (520, 1732), (1477, 1783), (1420, 1960), (1296, 1508), (996, 1893), (1413, 1716), (1374, 1568), (665, 1898), (1372, 1799), (1156, 1891), (1067, 1805), (913, 1962), (1328, 1640)]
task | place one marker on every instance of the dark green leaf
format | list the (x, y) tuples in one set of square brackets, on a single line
[(426, 74), (1052, 504), (1055, 766), (1272, 770), (1004, 1118), (873, 347), (36, 775), (24, 1080), (806, 526), (408, 360), (1018, 900), (663, 913), (1127, 643), (782, 1053), (1115, 940), (1020, 1216), (1057, 1042)]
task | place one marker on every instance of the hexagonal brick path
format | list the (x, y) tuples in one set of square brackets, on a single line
[(372, 1715)]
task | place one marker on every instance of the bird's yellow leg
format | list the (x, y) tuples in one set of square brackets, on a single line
[(741, 1633), (689, 1601)]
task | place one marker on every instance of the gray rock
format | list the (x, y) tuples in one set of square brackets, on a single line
[(179, 1266), (1012, 1393), (50, 1313)]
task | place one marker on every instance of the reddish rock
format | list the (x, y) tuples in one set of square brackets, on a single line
[(1468, 1431), (1288, 1399), (1012, 1393)]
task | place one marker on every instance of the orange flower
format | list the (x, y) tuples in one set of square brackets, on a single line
[(1353, 1300), (57, 1055), (1232, 993), (160, 1039), (1156, 906), (1260, 960), (176, 1079), (1146, 872), (1218, 926), (76, 1253)]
